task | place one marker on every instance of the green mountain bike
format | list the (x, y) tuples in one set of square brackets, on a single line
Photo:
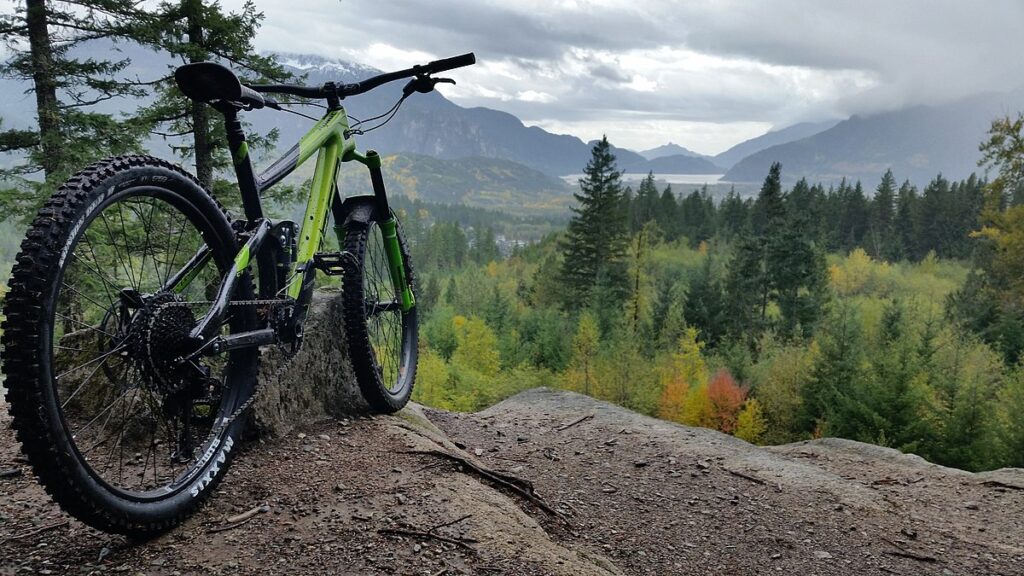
[(137, 308)]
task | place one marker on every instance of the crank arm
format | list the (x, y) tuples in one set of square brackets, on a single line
[(251, 339)]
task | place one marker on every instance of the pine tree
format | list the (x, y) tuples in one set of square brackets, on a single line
[(906, 231), (704, 306), (597, 237), (196, 31), (43, 37), (880, 232)]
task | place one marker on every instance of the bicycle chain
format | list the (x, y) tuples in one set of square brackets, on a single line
[(288, 354)]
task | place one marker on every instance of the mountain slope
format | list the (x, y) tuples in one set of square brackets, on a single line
[(775, 137), (474, 181), (675, 164), (670, 149), (917, 143), (434, 126), (427, 124)]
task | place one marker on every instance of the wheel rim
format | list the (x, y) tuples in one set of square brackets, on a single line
[(385, 321), (135, 432)]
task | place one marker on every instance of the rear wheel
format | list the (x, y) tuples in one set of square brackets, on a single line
[(121, 432), (381, 337)]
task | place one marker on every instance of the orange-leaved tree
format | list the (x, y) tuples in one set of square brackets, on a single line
[(686, 375), (726, 398)]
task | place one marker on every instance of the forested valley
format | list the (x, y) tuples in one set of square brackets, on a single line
[(888, 315)]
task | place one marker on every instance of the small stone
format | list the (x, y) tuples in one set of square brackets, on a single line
[(822, 555), (971, 505), (417, 548), (324, 437), (302, 435), (402, 499), (478, 452), (640, 463), (776, 556)]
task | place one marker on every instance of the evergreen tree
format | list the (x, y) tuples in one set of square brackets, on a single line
[(906, 233), (704, 304), (196, 31), (667, 214), (43, 37), (883, 217), (596, 240)]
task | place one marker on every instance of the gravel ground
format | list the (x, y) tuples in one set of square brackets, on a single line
[(627, 495)]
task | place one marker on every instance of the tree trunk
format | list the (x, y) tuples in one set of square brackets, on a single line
[(36, 16), (200, 113)]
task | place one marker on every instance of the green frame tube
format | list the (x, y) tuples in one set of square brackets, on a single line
[(327, 140)]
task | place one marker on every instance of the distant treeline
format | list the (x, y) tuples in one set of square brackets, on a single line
[(895, 222)]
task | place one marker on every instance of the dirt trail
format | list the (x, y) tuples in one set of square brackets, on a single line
[(628, 494)]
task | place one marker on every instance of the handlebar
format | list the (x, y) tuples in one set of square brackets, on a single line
[(331, 89)]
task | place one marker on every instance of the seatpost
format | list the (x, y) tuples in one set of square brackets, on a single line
[(243, 163)]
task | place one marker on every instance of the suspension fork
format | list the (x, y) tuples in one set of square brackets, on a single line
[(389, 228)]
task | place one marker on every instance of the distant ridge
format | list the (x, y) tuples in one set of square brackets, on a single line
[(788, 134), (917, 143)]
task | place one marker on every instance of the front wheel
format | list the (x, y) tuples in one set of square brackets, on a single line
[(381, 337)]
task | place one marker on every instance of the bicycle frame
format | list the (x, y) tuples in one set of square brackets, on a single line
[(327, 140)]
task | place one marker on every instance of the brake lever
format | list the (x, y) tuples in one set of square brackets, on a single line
[(424, 85)]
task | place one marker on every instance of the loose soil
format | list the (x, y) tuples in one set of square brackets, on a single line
[(546, 483)]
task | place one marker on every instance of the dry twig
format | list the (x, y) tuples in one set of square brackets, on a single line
[(39, 530), (518, 485), (574, 422)]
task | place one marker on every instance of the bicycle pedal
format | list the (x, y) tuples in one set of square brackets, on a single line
[(334, 263)]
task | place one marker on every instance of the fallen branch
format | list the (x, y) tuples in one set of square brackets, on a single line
[(518, 485), (753, 479), (904, 553), (421, 534), (240, 519), (911, 555), (39, 530), (574, 422), (249, 514), (998, 484), (452, 523)]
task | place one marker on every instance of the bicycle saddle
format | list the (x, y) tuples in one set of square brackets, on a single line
[(209, 81)]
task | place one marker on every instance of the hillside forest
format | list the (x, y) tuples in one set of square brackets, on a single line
[(878, 311), (888, 316)]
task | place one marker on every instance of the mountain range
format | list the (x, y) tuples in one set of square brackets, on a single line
[(917, 143)]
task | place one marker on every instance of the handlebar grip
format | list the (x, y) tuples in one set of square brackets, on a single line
[(450, 63), (252, 97)]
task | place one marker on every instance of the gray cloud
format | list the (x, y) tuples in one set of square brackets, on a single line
[(681, 68)]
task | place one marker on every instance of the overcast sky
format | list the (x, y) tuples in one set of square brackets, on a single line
[(704, 74)]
